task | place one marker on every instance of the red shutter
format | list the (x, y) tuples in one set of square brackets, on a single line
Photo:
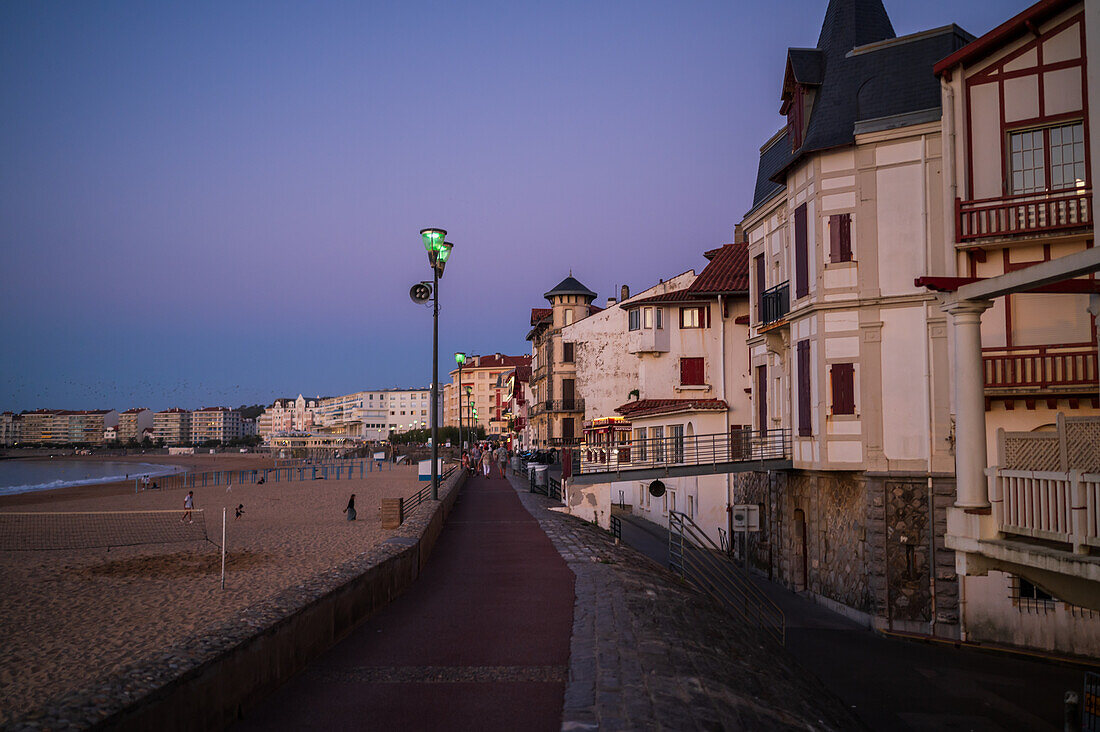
[(691, 372), (846, 237), (801, 254), (805, 423), (844, 395), (762, 397), (834, 239), (760, 288)]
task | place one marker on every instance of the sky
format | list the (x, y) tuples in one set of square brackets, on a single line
[(207, 203)]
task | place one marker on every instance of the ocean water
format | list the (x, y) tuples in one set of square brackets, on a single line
[(24, 476)]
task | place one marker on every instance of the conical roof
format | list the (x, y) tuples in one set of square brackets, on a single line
[(570, 286)]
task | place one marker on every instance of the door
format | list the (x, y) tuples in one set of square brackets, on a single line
[(567, 394), (567, 430)]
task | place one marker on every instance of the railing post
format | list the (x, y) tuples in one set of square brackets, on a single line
[(1079, 506)]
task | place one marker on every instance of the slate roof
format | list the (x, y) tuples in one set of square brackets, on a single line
[(867, 73), (727, 272), (807, 65), (650, 407), (570, 286)]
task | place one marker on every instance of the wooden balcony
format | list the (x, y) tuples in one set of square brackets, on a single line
[(1023, 214), (1041, 369)]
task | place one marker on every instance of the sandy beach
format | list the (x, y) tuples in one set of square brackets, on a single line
[(70, 618)]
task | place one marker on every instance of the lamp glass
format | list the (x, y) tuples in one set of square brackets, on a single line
[(433, 239), (460, 358), (445, 251)]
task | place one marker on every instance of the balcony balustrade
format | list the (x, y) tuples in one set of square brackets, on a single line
[(564, 441), (538, 373), (776, 303), (1040, 368), (1022, 214), (737, 446), (562, 405)]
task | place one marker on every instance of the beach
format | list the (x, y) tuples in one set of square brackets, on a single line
[(72, 618)]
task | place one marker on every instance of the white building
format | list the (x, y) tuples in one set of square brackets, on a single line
[(216, 423)]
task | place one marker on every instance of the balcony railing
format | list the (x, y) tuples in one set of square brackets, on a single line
[(539, 372), (1025, 213), (737, 446), (563, 405), (564, 441), (776, 304), (1038, 368)]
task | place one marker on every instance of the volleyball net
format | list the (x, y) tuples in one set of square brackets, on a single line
[(45, 531)]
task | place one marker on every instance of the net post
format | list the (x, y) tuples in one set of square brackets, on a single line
[(223, 547)]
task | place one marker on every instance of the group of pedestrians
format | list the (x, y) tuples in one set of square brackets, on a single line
[(483, 457)]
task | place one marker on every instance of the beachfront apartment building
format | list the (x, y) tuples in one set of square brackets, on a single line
[(10, 428), (215, 423), (364, 415), (132, 424), (664, 376), (556, 412), (289, 415), (360, 415), (1018, 283), (172, 426), (486, 392)]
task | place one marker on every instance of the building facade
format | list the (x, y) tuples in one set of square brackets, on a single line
[(486, 392), (215, 423), (173, 426), (132, 424)]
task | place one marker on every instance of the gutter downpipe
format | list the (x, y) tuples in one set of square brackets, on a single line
[(928, 400), (722, 360)]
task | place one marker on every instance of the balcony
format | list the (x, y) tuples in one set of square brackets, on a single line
[(689, 455), (562, 405), (1022, 214), (648, 340), (564, 441), (775, 304), (538, 373), (1040, 370)]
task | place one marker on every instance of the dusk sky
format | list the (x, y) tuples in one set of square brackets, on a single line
[(219, 203)]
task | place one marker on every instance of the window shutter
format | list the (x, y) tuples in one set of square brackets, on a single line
[(801, 254), (760, 288), (567, 352), (762, 397), (805, 428), (834, 239), (691, 372), (844, 395), (845, 237)]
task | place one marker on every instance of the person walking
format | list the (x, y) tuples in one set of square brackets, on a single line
[(466, 462), (502, 458), (486, 462), (238, 512), (188, 507), (350, 510)]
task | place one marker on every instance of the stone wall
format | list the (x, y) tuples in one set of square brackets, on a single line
[(864, 541)]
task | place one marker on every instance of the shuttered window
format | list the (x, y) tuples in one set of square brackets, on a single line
[(691, 372), (759, 261), (842, 376), (840, 238), (805, 428), (801, 254), (761, 397), (695, 317), (567, 352)]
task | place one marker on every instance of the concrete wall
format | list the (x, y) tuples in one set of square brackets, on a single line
[(257, 659)]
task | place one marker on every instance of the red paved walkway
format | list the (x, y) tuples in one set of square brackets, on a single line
[(480, 641)]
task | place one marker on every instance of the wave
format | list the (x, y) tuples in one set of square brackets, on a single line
[(155, 472)]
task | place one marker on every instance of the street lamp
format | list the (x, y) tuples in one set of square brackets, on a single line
[(460, 358), (439, 251)]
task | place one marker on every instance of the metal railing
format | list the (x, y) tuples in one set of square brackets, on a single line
[(564, 441), (776, 303), (695, 557), (553, 488), (1025, 213), (736, 446), (617, 528), (425, 494), (563, 405), (1040, 367)]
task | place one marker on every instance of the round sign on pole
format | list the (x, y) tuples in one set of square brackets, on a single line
[(656, 489), (421, 292)]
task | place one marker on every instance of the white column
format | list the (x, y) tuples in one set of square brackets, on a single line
[(970, 453)]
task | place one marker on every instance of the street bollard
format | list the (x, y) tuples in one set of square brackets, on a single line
[(1072, 720)]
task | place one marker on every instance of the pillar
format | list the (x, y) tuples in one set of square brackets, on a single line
[(970, 453), (1094, 310)]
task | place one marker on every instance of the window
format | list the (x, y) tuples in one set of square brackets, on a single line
[(1029, 598), (657, 435), (805, 422), (695, 317), (840, 238), (1051, 158), (801, 253), (844, 397), (647, 318), (567, 352), (635, 320), (660, 318), (676, 442), (760, 287), (691, 372), (569, 316), (639, 443)]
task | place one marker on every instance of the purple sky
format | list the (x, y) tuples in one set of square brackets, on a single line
[(219, 202)]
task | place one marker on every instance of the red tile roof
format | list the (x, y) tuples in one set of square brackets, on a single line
[(498, 360), (540, 314), (726, 274), (648, 407), (674, 296)]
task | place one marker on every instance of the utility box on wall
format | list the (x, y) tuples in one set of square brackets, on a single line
[(746, 517)]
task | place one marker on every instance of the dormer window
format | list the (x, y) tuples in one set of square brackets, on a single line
[(795, 116)]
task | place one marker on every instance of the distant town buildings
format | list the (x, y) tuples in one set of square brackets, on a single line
[(484, 391), (173, 426), (216, 423), (133, 422)]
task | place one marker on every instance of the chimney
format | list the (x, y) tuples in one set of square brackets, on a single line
[(610, 302), (738, 234), (624, 294)]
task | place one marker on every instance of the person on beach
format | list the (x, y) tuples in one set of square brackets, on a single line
[(486, 462), (188, 507), (350, 510), (238, 512), (502, 459)]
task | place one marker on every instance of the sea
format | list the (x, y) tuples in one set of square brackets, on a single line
[(24, 476)]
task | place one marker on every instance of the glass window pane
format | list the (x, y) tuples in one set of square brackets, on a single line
[(1056, 136)]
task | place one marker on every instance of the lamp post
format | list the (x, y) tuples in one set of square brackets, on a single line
[(460, 358), (439, 251)]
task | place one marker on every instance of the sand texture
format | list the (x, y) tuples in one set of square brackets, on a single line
[(70, 619)]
